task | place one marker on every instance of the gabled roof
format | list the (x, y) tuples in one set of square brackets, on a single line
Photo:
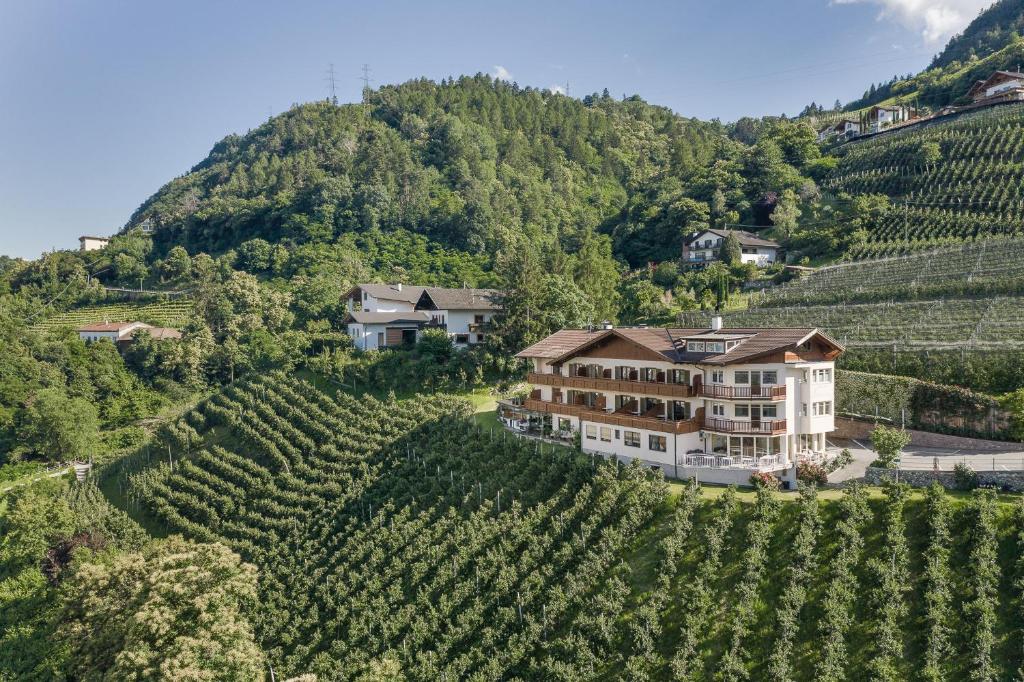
[(389, 292), (671, 343), (745, 238), (460, 299), (162, 333), (409, 317), (996, 76), (111, 326)]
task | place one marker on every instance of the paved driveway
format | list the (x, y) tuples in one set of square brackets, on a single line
[(926, 459)]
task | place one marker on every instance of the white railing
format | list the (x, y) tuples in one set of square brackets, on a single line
[(706, 461)]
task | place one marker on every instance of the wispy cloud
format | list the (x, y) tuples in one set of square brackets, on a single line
[(936, 20), (557, 89), (501, 73)]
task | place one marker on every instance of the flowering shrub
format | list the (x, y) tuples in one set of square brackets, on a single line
[(762, 479), (810, 473)]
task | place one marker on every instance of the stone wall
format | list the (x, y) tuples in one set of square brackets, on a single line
[(1008, 480), (861, 430)]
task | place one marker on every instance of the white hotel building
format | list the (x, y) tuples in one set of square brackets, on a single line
[(716, 404)]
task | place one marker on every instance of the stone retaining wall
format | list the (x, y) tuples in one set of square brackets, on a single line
[(861, 430), (1009, 480)]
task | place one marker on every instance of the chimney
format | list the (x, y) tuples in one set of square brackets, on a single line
[(607, 325), (716, 323)]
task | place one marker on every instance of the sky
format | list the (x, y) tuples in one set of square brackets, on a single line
[(101, 103)]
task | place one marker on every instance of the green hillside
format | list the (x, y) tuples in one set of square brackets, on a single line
[(950, 181), (175, 313), (400, 536)]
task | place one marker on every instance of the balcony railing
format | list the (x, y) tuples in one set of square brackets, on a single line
[(616, 385), (762, 463), (615, 418), (743, 392), (769, 427)]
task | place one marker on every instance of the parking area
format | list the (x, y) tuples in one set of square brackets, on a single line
[(928, 459)]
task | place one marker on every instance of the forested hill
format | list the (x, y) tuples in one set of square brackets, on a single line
[(990, 32), (991, 42), (473, 163)]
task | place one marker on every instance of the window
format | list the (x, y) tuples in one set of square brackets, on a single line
[(478, 319), (606, 434), (631, 438), (822, 408), (822, 376), (770, 377), (462, 338), (380, 339), (714, 347), (695, 346), (591, 432), (617, 436), (564, 425), (479, 338), (743, 410), (769, 411), (717, 376), (679, 376), (742, 377), (803, 409), (718, 409), (657, 443)]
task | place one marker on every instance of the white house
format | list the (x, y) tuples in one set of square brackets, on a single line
[(382, 315), (703, 247), (87, 243), (1001, 85), (122, 332), (716, 404), (882, 117)]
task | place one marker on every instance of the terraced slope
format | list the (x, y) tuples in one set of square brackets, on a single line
[(973, 269), (397, 538), (973, 192), (174, 313)]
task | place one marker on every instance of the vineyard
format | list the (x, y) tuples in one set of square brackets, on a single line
[(973, 192), (398, 535), (983, 268), (174, 313)]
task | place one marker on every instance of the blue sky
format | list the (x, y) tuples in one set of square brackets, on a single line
[(103, 102)]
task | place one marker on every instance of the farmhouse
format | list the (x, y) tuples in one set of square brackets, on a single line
[(123, 332), (843, 129), (1001, 86), (881, 117), (87, 243), (703, 247), (718, 404), (387, 315)]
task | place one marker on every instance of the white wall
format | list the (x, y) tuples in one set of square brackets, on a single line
[(763, 255), (1008, 85)]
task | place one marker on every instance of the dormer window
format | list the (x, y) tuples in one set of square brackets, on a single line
[(695, 346), (714, 347)]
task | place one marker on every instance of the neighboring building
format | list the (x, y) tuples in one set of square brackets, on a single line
[(881, 117), (703, 247), (382, 315), (1000, 86), (716, 404), (86, 243), (843, 129), (122, 332)]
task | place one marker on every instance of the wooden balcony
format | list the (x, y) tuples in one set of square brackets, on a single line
[(613, 385), (743, 392), (761, 428), (615, 418)]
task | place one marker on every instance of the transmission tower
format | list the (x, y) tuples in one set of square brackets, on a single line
[(332, 83), (366, 80)]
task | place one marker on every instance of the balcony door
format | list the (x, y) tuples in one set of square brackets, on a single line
[(755, 387), (755, 416)]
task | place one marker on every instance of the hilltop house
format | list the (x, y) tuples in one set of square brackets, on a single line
[(703, 247), (718, 404), (383, 315), (122, 332), (1001, 86), (87, 243), (843, 129)]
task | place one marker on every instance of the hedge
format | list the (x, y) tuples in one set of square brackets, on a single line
[(922, 405)]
